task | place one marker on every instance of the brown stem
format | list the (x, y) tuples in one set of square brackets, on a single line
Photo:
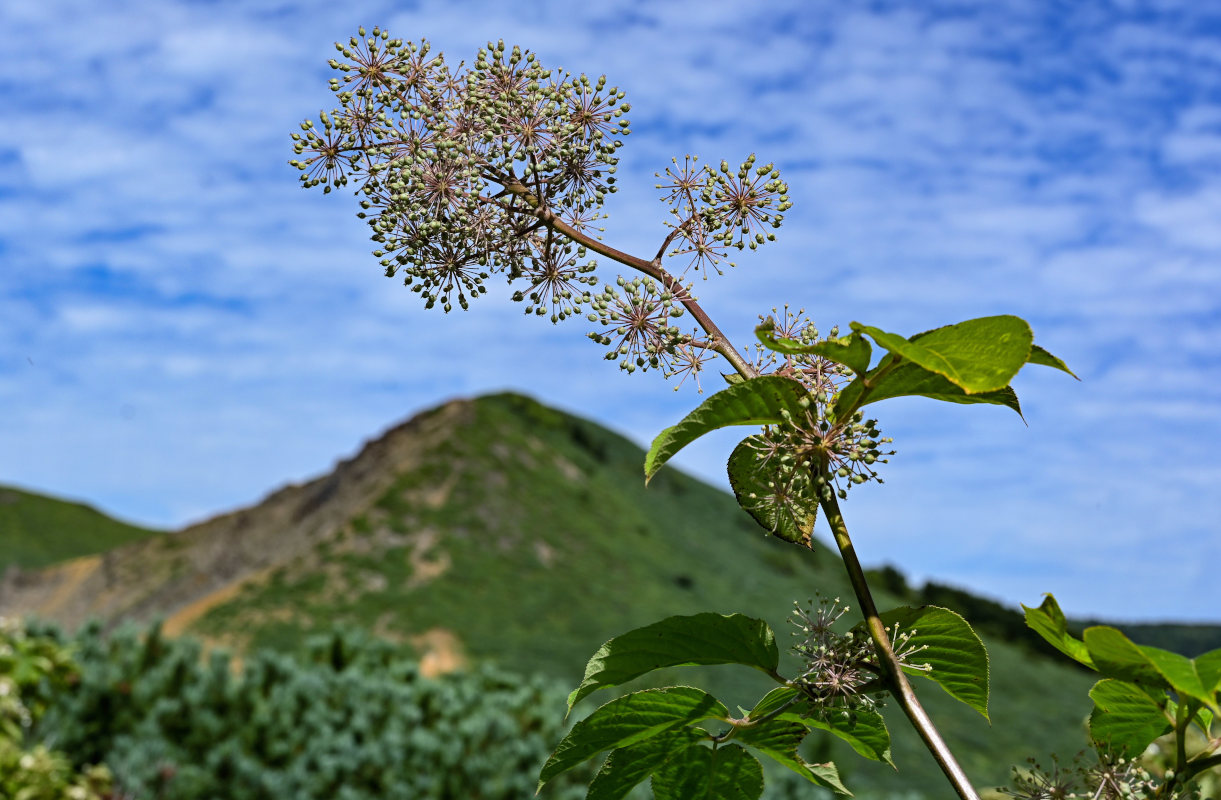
[(720, 342), (900, 687)]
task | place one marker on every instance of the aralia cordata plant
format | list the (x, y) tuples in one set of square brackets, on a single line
[(502, 168)]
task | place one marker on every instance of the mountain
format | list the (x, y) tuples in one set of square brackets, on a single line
[(36, 530), (499, 528)]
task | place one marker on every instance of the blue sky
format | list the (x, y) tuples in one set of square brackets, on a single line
[(184, 329)]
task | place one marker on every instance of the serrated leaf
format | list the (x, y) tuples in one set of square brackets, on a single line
[(978, 355), (758, 401), (863, 729), (912, 380), (1124, 718), (630, 719), (1050, 623), (701, 773), (706, 638), (1180, 672), (779, 739), (852, 351), (781, 504), (628, 766), (1117, 656), (955, 652), (1043, 358)]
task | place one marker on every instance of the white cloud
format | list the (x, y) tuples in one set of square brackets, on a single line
[(189, 312)]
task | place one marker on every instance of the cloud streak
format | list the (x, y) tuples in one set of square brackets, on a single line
[(185, 330)]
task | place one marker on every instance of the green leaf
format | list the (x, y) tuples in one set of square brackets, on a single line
[(1180, 672), (1040, 356), (1204, 718), (701, 773), (1116, 656), (680, 641), (979, 355), (958, 658), (912, 380), (1208, 667), (1049, 622), (852, 351), (628, 766), (789, 515), (628, 720), (758, 401), (779, 739), (1124, 718), (863, 729)]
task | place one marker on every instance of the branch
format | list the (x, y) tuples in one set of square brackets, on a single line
[(720, 342)]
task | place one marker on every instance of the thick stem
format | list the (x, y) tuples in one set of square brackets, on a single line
[(1196, 766), (1184, 716), (900, 687), (719, 341)]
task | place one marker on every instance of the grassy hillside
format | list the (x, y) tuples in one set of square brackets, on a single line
[(529, 536), (36, 530)]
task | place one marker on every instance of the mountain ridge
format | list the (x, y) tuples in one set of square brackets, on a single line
[(498, 528), (71, 592)]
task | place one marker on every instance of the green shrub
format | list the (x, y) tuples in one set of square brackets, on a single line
[(352, 720)]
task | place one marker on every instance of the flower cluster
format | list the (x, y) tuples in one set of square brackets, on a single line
[(838, 454), (819, 375), (469, 172), (502, 167), (841, 670), (636, 324), (716, 209), (1109, 778)]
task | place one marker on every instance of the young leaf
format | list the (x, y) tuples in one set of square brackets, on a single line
[(789, 513), (680, 641), (958, 658), (1204, 719), (1124, 718), (628, 720), (628, 766), (1040, 356), (908, 380), (979, 355), (852, 351), (1049, 622), (759, 401), (701, 773)]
